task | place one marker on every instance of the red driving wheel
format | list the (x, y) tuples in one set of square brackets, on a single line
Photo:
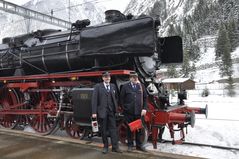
[(8, 98)]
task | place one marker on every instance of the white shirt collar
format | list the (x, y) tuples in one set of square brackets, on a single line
[(132, 84), (106, 85)]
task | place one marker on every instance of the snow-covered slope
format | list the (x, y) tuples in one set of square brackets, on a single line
[(176, 12), (169, 11), (207, 66), (13, 25), (138, 7)]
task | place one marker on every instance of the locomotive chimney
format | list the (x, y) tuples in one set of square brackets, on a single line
[(112, 16)]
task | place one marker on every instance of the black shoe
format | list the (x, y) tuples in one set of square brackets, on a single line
[(116, 150), (141, 148), (105, 150), (161, 141), (130, 149)]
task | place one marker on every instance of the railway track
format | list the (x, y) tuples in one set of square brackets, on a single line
[(218, 119), (207, 145)]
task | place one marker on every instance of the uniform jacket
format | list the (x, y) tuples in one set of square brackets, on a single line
[(133, 100), (99, 99)]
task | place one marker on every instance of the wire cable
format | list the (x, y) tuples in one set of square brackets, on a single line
[(55, 10)]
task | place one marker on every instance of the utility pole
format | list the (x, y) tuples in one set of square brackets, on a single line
[(28, 24), (69, 11)]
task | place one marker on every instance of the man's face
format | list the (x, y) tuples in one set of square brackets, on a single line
[(106, 79), (134, 79)]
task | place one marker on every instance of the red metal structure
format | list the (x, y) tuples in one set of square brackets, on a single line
[(37, 100), (175, 118)]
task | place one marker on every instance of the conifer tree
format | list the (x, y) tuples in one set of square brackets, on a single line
[(171, 71), (178, 30), (225, 49), (231, 27), (221, 41), (188, 69), (230, 87), (193, 71), (171, 30), (155, 10), (185, 66)]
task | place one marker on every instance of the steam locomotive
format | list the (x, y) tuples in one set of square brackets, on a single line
[(47, 77)]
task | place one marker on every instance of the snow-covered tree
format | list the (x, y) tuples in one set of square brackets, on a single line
[(230, 87), (172, 72), (233, 34), (223, 50), (188, 68)]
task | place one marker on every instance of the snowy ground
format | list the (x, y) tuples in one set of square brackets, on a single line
[(220, 128), (212, 131)]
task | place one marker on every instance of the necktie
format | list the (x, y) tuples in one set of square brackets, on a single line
[(134, 86), (107, 88)]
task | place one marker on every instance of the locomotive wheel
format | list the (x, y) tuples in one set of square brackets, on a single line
[(74, 130), (42, 123), (144, 137), (8, 97), (122, 130), (22, 119)]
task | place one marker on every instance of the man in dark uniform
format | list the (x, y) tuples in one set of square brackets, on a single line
[(134, 103), (104, 106)]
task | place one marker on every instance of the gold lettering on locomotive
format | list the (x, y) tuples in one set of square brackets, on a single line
[(84, 96)]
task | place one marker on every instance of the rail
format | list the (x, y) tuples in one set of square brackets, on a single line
[(206, 145)]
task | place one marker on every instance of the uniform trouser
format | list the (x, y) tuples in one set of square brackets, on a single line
[(160, 135), (108, 126), (138, 134)]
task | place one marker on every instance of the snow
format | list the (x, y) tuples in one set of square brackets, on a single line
[(221, 128), (18, 2), (115, 4), (108, 4), (235, 54), (175, 80), (207, 66)]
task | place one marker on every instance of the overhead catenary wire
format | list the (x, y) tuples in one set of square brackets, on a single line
[(76, 5), (55, 10)]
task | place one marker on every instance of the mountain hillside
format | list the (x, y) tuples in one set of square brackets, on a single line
[(13, 25), (198, 23)]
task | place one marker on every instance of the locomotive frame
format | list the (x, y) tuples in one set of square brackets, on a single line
[(48, 114)]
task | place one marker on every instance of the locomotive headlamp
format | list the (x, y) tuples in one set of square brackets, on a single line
[(73, 78)]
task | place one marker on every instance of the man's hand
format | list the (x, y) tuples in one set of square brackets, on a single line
[(143, 112), (94, 115)]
